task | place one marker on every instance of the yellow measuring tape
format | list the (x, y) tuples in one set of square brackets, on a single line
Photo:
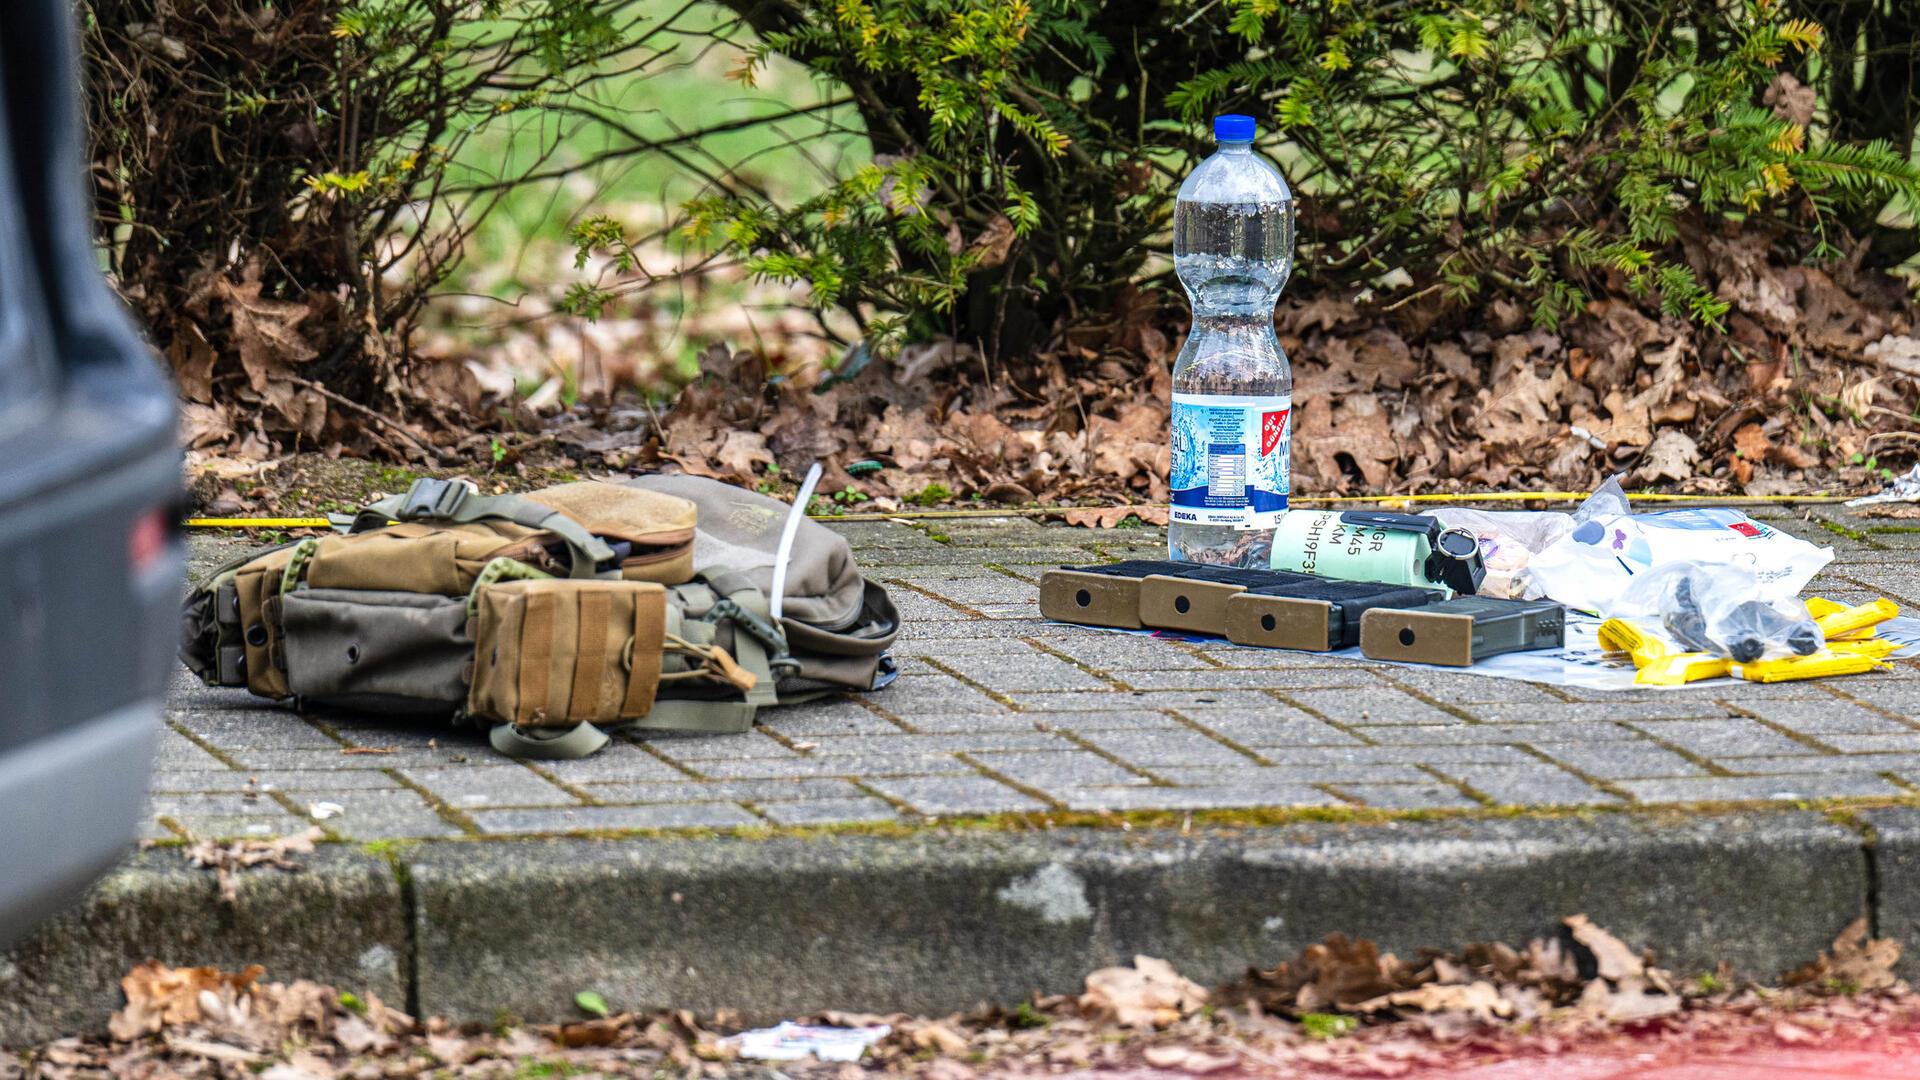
[(1821, 498)]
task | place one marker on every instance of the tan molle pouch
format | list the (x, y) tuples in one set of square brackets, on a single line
[(440, 559), (1281, 622), (256, 588), (560, 652), (1178, 603), (1089, 599), (659, 527)]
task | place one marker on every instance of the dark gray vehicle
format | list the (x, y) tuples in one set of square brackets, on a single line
[(90, 552)]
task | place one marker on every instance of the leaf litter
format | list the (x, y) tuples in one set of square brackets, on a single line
[(1813, 384), (1342, 1007)]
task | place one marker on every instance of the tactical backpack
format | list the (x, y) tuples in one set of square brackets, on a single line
[(552, 617)]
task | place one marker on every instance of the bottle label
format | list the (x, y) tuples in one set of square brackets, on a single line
[(1231, 459)]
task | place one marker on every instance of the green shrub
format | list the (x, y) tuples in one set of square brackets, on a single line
[(1026, 151), (278, 186)]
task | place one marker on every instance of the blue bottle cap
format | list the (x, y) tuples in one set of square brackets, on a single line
[(1233, 128)]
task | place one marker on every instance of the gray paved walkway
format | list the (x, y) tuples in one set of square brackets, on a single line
[(996, 711)]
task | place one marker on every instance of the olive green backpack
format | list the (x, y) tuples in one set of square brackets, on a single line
[(552, 617)]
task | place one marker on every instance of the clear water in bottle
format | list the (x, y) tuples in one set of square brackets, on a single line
[(1232, 388)]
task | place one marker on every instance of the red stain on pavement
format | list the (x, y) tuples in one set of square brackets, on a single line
[(1856, 1063)]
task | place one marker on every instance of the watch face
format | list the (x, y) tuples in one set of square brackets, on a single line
[(1458, 543)]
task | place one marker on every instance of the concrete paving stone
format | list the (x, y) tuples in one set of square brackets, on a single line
[(300, 780), (1776, 788), (620, 761), (385, 815), (1823, 718), (847, 720), (1026, 669), (1285, 726), (1151, 749), (1314, 679), (1325, 773), (1351, 669), (845, 765), (1086, 700), (1620, 760), (444, 756), (915, 607), (971, 589), (913, 694), (1898, 692), (1424, 754), (1432, 796), (830, 811), (475, 786), (1027, 613), (754, 791), (1246, 701), (1115, 720), (1538, 784), (151, 828), (262, 729), (934, 632), (186, 757), (1384, 705), (1679, 706), (259, 826), (1220, 797), (1722, 738), (1466, 689), (1821, 763), (936, 795), (1873, 743), (933, 722), (1058, 769), (182, 780), (397, 734), (208, 803), (1125, 653), (695, 748), (938, 743), (614, 818)]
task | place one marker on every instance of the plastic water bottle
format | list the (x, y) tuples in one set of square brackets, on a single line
[(1232, 387)]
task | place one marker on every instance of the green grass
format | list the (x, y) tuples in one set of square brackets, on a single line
[(519, 246)]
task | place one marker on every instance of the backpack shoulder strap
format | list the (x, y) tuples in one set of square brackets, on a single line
[(453, 502)]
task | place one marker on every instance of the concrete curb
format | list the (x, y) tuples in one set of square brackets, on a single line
[(937, 922), (340, 920)]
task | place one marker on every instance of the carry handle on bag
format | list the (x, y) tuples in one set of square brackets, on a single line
[(453, 502)]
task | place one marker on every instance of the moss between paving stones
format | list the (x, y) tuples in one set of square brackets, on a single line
[(1181, 821)]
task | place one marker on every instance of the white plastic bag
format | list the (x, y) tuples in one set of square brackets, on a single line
[(1511, 539), (1591, 566), (1717, 608)]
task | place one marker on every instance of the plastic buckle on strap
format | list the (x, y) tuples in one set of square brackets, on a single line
[(762, 629), (429, 498)]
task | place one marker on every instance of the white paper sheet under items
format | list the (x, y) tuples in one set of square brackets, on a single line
[(1581, 662), (789, 1041)]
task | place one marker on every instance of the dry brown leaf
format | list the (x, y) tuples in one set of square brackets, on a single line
[(1672, 456), (938, 1038), (1188, 1059), (1856, 962), (159, 996), (1148, 994), (1107, 517), (225, 859), (1616, 961), (1481, 1001)]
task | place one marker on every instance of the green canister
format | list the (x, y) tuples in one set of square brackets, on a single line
[(1369, 545)]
